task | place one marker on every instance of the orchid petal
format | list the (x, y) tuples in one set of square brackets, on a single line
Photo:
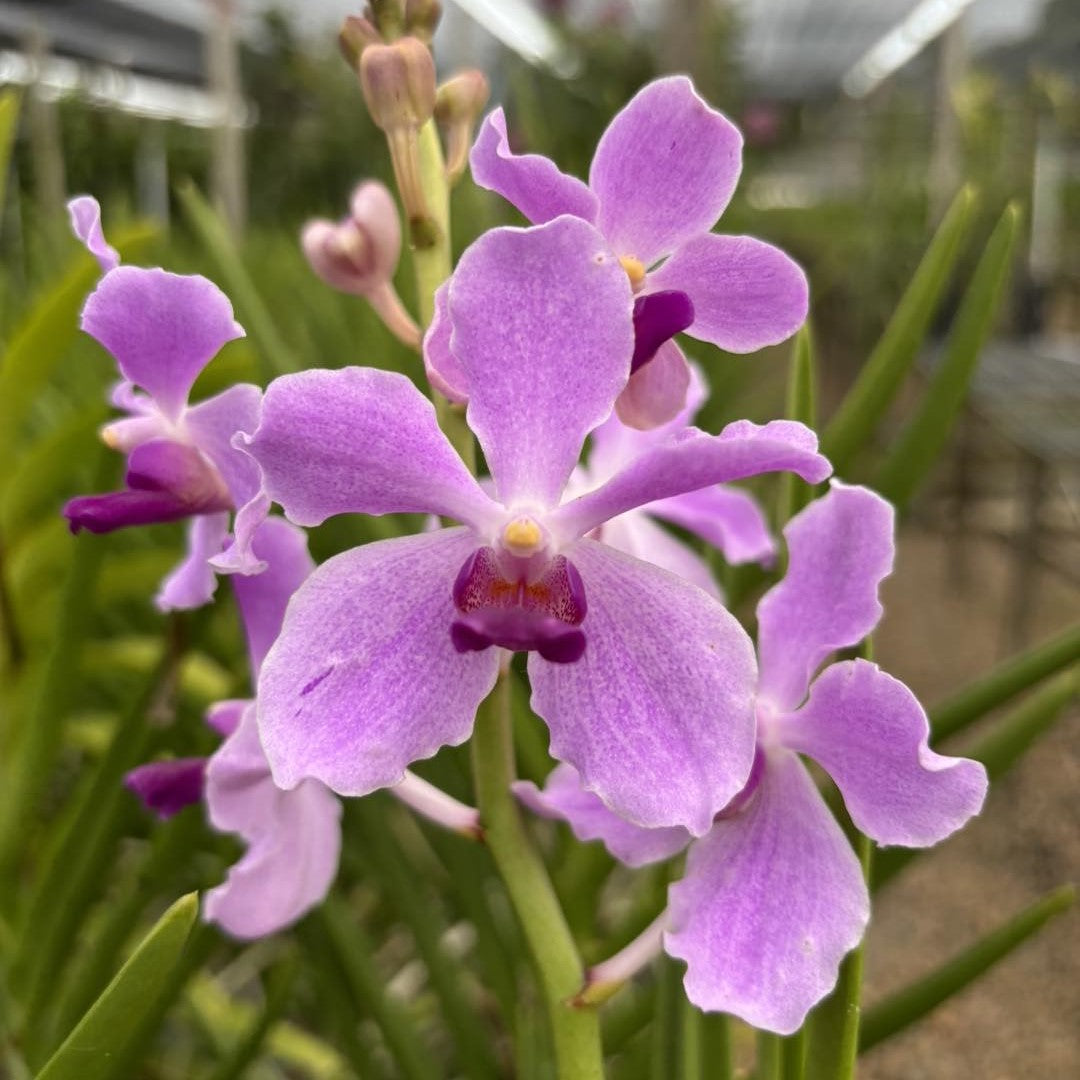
[(746, 294), (443, 371), (213, 423), (771, 901), (293, 839), (193, 582), (364, 678), (663, 737), (162, 328), (871, 735), (726, 517), (636, 534), (263, 597), (543, 334), (664, 170), (85, 215), (656, 392), (839, 550), (694, 460), (359, 440), (564, 799), (530, 182)]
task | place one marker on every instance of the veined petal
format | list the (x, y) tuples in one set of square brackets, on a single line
[(293, 839), (531, 182), (85, 215), (193, 582), (443, 371), (364, 678), (564, 799), (693, 460), (656, 392), (213, 423), (363, 441), (726, 517), (839, 550), (771, 901), (636, 534), (162, 328), (542, 332), (664, 170), (664, 735), (746, 294), (262, 598), (870, 734)]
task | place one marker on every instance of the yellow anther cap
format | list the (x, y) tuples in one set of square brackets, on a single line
[(523, 534), (635, 270)]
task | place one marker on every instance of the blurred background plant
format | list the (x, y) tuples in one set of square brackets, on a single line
[(857, 145)]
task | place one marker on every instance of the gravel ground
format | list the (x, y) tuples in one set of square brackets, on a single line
[(1023, 1019)]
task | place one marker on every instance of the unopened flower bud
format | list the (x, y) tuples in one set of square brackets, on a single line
[(355, 36), (360, 254), (422, 17), (458, 104), (398, 81)]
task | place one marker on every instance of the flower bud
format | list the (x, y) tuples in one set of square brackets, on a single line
[(355, 36), (360, 254), (422, 17), (398, 81), (458, 104)]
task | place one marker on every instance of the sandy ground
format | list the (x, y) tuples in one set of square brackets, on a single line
[(1023, 1019)]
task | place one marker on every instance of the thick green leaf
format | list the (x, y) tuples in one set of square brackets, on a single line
[(1000, 749), (274, 355), (833, 1028), (1008, 679), (903, 1008), (96, 1045), (917, 449), (47, 333), (881, 377), (9, 119)]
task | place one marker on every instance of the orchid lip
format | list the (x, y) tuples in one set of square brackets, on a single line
[(658, 317), (499, 603)]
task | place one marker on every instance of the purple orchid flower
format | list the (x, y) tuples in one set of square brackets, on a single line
[(293, 837), (663, 172), (725, 517), (163, 329), (773, 896), (387, 650)]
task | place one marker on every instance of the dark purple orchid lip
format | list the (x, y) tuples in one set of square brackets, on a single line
[(658, 317), (542, 615), (166, 787)]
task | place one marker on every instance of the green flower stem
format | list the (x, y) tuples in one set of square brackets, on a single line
[(432, 265), (575, 1031), (716, 1047)]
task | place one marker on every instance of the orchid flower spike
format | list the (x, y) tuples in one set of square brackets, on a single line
[(293, 838), (388, 649), (773, 896), (163, 329), (663, 172), (723, 516), (360, 254)]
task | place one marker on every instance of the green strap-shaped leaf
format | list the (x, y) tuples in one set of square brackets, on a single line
[(999, 750), (274, 355), (919, 445), (9, 119), (47, 333), (881, 377), (1008, 679), (913, 1002), (802, 406), (96, 1045)]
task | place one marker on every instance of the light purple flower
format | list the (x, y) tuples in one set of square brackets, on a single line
[(773, 896), (662, 174), (726, 517), (388, 649), (163, 329)]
